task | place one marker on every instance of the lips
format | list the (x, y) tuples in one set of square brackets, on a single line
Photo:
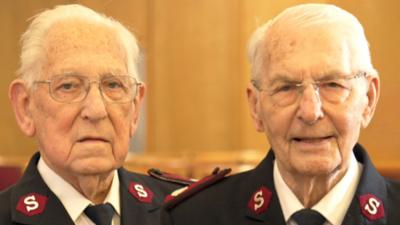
[(311, 139), (93, 139)]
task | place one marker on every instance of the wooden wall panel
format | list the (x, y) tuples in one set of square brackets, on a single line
[(193, 75)]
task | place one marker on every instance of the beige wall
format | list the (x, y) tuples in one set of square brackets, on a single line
[(197, 70)]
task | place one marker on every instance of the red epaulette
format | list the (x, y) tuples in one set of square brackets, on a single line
[(170, 177), (182, 194)]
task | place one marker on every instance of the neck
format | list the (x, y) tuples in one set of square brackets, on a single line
[(95, 188), (310, 189)]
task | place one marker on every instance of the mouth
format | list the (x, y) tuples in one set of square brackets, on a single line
[(312, 140), (93, 139)]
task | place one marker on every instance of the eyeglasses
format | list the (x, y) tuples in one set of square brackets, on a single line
[(75, 88), (285, 93)]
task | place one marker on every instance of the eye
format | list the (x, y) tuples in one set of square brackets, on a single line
[(284, 88), (67, 84), (113, 84), (334, 84)]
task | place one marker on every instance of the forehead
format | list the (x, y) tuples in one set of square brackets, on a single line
[(80, 45), (312, 52)]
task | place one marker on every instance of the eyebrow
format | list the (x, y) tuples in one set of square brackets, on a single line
[(101, 74), (112, 73), (285, 78), (66, 73), (331, 75)]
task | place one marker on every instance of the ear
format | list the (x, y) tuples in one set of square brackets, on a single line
[(138, 101), (254, 105), (20, 98), (372, 96)]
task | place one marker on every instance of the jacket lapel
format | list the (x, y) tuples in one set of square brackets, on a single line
[(371, 185), (32, 201), (262, 176), (133, 210), (55, 212)]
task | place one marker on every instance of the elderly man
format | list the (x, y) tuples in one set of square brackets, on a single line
[(313, 88), (79, 95)]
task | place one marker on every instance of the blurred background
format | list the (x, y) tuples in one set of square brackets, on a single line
[(196, 114)]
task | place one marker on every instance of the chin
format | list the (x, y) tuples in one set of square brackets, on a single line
[(94, 167), (95, 171), (316, 168)]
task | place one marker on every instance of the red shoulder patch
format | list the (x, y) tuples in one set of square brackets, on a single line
[(140, 192), (371, 207), (260, 200), (32, 204)]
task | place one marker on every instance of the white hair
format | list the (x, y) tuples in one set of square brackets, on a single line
[(264, 42), (33, 40)]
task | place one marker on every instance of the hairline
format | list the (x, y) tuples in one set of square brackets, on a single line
[(34, 39), (296, 17)]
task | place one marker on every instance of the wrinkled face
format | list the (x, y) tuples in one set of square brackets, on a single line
[(312, 136), (92, 136)]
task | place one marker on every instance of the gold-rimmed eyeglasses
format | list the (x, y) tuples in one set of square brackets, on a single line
[(74, 88), (333, 90)]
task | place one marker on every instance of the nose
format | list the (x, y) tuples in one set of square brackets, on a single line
[(94, 107), (310, 105)]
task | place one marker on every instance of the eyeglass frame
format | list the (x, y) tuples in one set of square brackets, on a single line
[(87, 90), (300, 87)]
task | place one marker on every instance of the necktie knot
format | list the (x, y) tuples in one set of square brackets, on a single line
[(101, 214), (308, 217)]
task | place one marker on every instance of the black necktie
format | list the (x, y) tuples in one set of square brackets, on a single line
[(100, 214), (308, 217)]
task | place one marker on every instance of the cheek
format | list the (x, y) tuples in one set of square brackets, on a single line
[(351, 118), (54, 122), (277, 122), (57, 124), (121, 146), (121, 118), (347, 121), (349, 126)]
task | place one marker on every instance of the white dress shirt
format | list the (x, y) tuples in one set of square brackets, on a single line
[(333, 206), (73, 201)]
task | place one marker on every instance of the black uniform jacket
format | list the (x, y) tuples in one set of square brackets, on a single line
[(250, 198), (30, 201)]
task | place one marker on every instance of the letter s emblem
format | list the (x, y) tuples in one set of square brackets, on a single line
[(31, 203), (372, 206), (140, 190), (258, 200)]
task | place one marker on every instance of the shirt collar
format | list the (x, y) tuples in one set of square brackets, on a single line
[(333, 205), (289, 202), (73, 201), (113, 194)]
